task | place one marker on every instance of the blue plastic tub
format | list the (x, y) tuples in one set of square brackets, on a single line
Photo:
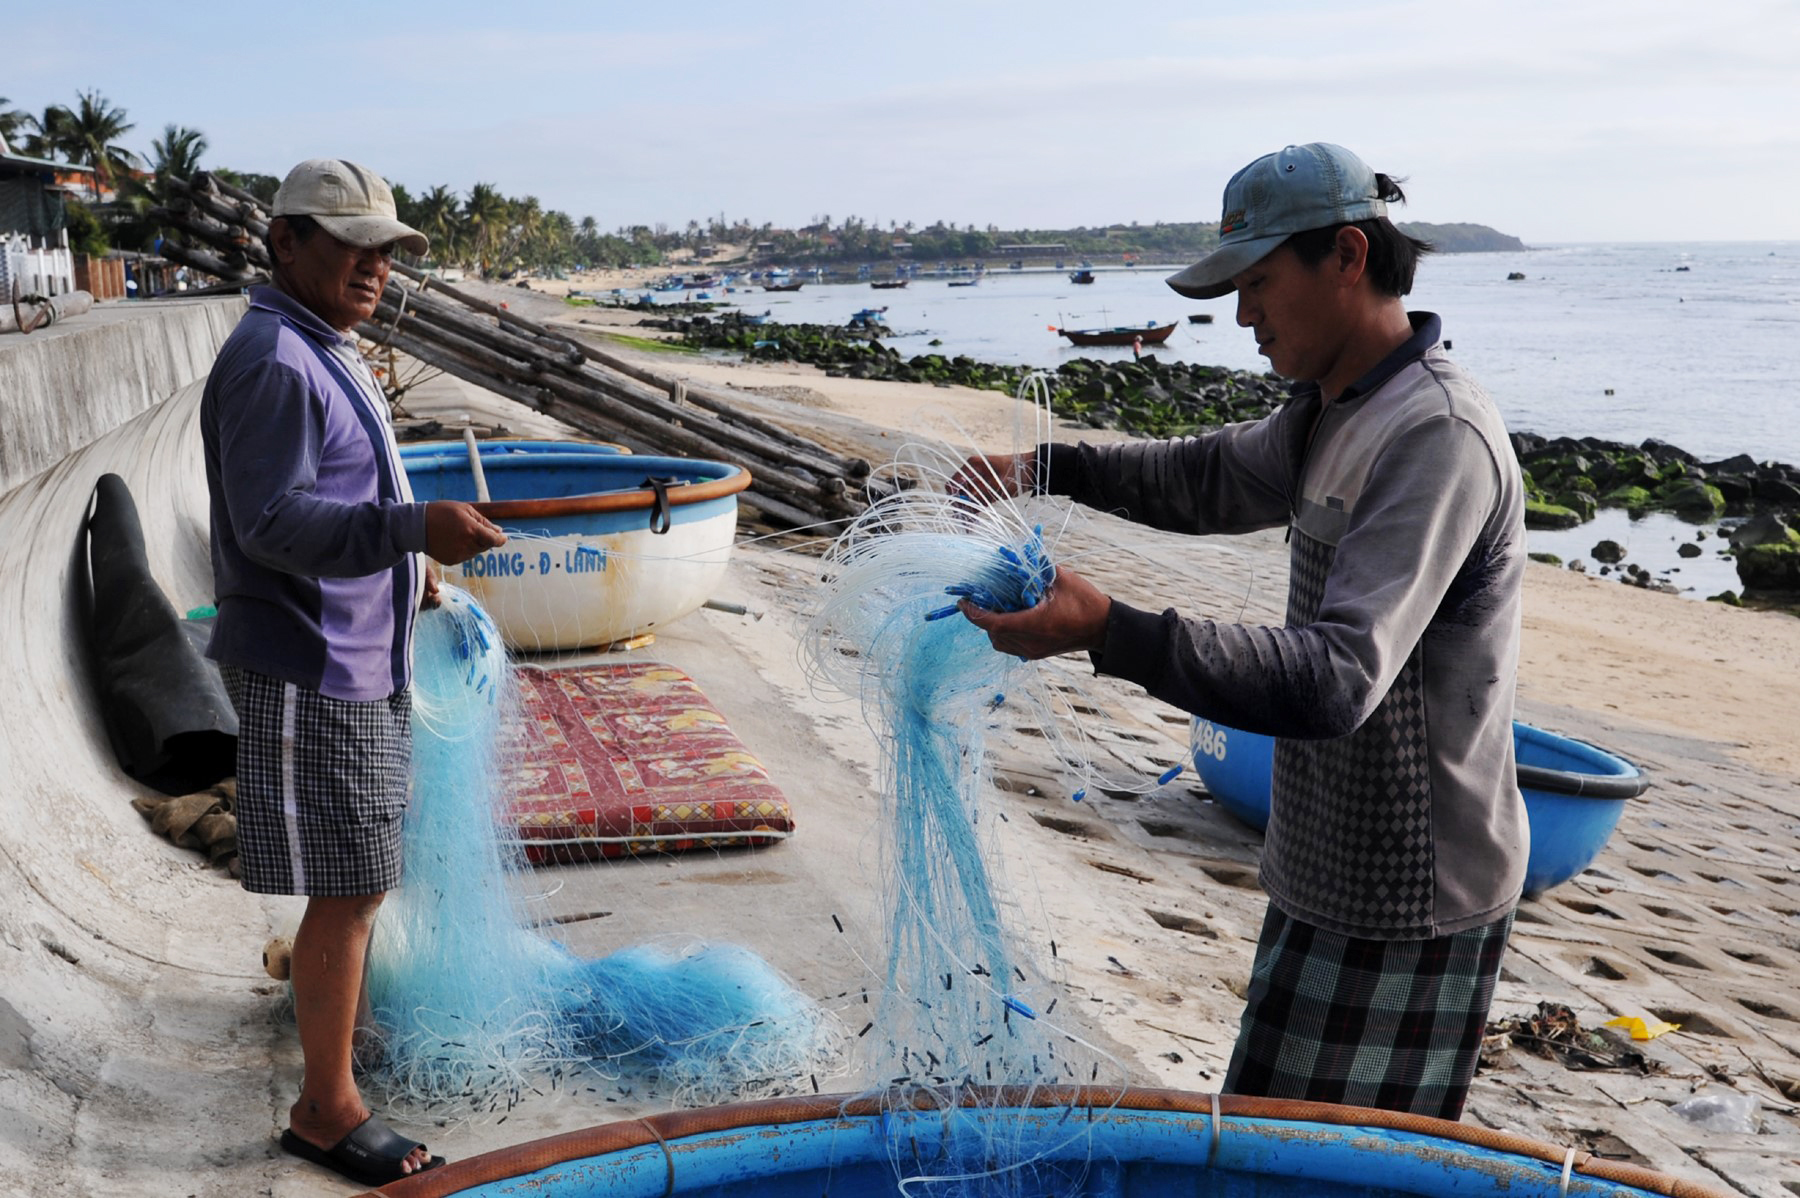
[(1574, 792), (1137, 1143)]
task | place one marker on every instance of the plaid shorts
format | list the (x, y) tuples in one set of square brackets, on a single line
[(322, 785), (1392, 1024)]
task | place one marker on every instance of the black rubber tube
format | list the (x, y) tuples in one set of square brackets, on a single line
[(1584, 786)]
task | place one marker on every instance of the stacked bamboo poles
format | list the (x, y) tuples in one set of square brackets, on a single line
[(796, 481)]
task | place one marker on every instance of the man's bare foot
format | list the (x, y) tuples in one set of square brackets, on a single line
[(325, 1129)]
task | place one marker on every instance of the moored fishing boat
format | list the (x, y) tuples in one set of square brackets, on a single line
[(1149, 333), (603, 545)]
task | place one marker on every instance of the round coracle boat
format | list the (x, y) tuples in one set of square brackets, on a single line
[(1574, 792), (602, 545), (1105, 1143)]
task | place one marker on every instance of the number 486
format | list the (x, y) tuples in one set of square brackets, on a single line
[(1209, 739)]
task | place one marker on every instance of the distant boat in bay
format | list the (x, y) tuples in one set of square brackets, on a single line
[(888, 285), (1149, 333), (1081, 276), (783, 286)]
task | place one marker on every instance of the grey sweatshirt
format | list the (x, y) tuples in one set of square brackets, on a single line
[(1395, 813)]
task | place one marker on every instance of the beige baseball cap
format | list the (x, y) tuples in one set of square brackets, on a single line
[(350, 202)]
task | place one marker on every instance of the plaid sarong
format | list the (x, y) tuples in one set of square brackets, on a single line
[(1393, 1024), (321, 788)]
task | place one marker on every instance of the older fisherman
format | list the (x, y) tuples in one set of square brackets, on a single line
[(315, 544)]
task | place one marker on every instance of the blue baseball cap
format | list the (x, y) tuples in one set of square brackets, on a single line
[(1300, 188)]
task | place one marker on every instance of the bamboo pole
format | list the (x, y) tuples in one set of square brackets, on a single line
[(207, 178), (204, 260), (711, 398), (483, 367), (723, 403), (577, 387)]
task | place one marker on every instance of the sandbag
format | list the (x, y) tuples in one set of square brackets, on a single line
[(166, 711)]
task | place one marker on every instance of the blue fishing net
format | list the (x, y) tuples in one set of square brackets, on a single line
[(966, 1005), (477, 1008)]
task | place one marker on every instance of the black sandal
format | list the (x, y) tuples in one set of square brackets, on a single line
[(372, 1154)]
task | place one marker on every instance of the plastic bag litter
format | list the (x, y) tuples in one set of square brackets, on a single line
[(1727, 1111)]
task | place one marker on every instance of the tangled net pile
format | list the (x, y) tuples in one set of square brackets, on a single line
[(476, 1008), (964, 1004)]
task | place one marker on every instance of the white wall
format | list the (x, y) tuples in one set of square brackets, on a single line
[(35, 270)]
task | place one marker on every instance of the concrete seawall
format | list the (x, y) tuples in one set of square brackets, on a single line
[(128, 975), (66, 386)]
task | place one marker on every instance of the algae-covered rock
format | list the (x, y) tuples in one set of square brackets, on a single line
[(1779, 492), (1728, 598), (1582, 503), (1770, 569), (1550, 515), (1767, 529), (1549, 559), (1631, 498), (1610, 552), (1691, 499)]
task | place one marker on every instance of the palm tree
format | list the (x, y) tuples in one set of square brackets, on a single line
[(12, 121), (558, 241), (525, 226), (486, 212), (176, 154), (438, 220), (45, 135), (90, 136)]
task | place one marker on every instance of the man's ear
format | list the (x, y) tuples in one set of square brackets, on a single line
[(1350, 254), (282, 241)]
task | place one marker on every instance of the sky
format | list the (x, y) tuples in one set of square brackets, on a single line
[(1552, 120)]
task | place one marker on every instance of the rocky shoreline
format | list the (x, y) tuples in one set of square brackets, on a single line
[(1754, 505)]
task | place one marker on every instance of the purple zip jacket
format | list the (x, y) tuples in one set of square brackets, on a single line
[(314, 530)]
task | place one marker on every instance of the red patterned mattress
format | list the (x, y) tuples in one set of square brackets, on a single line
[(631, 758)]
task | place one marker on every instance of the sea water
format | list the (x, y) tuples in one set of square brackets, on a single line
[(1696, 344)]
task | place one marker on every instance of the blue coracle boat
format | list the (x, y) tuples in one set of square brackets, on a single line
[(1091, 1142), (1574, 792)]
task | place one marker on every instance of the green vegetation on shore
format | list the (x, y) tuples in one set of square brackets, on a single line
[(653, 345)]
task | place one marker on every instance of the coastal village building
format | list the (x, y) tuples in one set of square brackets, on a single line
[(34, 240)]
